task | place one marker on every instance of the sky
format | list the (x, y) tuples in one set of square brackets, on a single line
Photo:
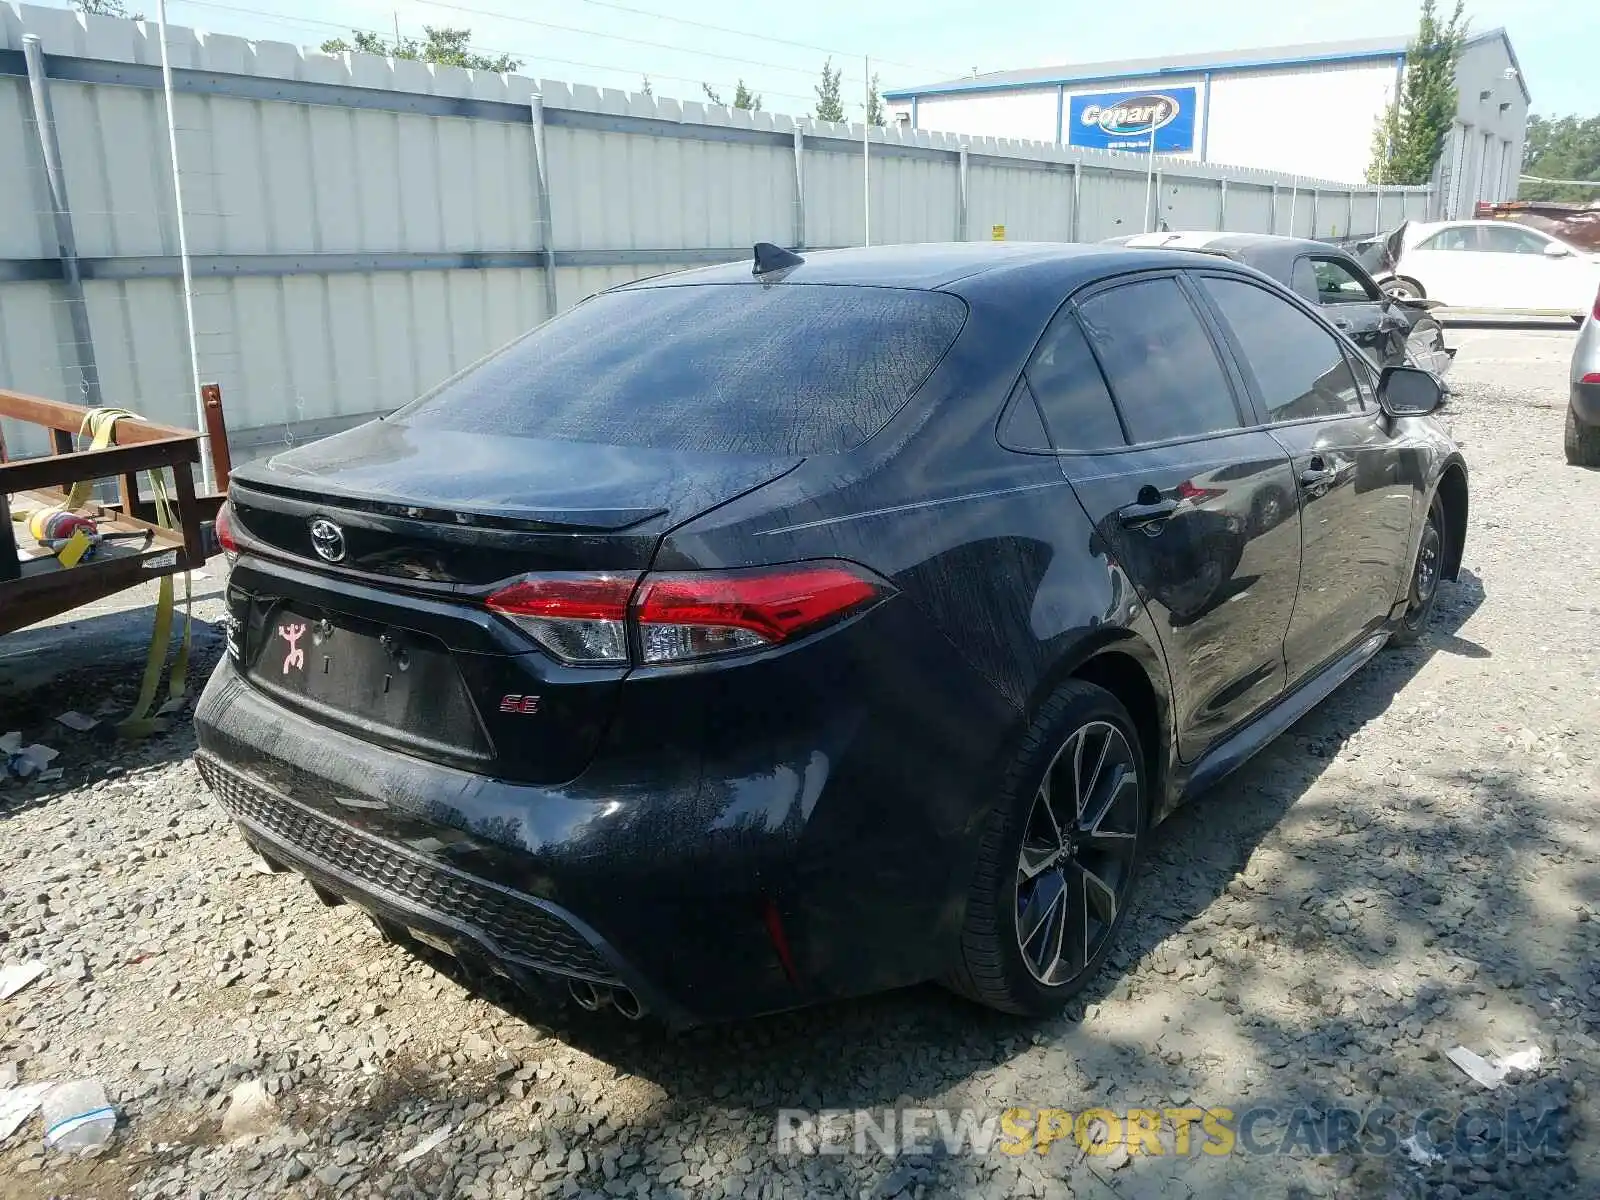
[(778, 48)]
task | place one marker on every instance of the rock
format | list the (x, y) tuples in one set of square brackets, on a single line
[(251, 1112)]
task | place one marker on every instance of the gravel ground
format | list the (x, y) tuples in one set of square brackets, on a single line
[(1411, 868)]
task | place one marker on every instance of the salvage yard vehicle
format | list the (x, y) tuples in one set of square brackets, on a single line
[(1493, 266), (1390, 329), (761, 634), (1583, 410)]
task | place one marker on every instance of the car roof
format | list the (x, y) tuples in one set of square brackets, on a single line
[(1432, 225), (1231, 243), (930, 265)]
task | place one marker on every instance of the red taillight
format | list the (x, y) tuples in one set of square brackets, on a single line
[(586, 619), (696, 615), (226, 538), (1595, 312), (1591, 377), (580, 618)]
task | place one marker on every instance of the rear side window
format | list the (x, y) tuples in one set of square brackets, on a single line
[(1338, 284), (1072, 393), (1299, 367), (1159, 360), (739, 368), (1507, 239)]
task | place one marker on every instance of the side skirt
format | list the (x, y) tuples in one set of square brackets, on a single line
[(1228, 756)]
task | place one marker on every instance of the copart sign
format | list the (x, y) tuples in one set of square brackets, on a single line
[(1126, 120)]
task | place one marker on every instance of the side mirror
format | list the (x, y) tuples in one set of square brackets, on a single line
[(1409, 392), (1556, 250)]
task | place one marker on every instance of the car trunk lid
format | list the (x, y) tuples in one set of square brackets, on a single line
[(383, 632)]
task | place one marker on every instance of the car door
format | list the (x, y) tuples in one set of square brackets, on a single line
[(1351, 301), (1354, 477), (1538, 276), (1198, 512), (1442, 262)]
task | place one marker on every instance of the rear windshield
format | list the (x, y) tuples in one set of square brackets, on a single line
[(740, 368)]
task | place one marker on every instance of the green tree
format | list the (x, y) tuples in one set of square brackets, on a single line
[(106, 8), (1562, 148), (1410, 134), (446, 46), (743, 97), (829, 106), (874, 102)]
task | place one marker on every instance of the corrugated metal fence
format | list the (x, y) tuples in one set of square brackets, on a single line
[(360, 228)]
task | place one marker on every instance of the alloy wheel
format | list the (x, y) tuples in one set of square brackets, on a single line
[(1078, 850)]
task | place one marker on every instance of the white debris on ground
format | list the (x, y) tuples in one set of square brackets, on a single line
[(1412, 868)]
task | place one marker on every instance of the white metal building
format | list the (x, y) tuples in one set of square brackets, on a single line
[(1309, 109)]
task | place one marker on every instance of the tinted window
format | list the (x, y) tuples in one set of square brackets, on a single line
[(1072, 393), (1020, 427), (787, 369), (1299, 367), (1338, 284), (1304, 280), (1461, 237), (1159, 360), (1507, 239)]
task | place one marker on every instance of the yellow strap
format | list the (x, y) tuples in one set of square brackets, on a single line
[(139, 722), (101, 425)]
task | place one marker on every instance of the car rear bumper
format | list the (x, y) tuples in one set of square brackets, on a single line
[(1586, 403), (709, 898)]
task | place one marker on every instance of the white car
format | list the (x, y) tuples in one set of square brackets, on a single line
[(1494, 265)]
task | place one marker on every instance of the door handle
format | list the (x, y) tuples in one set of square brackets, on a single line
[(1316, 474), (1340, 323), (1139, 515)]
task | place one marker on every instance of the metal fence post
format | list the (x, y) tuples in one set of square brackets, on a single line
[(1316, 197), (1350, 225), (799, 189), (541, 202), (1272, 226), (66, 243), (961, 211), (1377, 218), (1155, 217), (1222, 204), (1075, 231)]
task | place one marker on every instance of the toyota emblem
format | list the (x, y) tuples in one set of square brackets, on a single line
[(327, 539)]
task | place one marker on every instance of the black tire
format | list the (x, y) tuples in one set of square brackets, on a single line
[(991, 966), (1582, 441), (1432, 553), (1405, 289)]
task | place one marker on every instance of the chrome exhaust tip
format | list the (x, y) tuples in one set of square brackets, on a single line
[(587, 996), (626, 1003)]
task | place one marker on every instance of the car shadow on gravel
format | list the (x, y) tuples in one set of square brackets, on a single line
[(925, 1047), (93, 666)]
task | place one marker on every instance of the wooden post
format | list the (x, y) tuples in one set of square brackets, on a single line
[(10, 565), (217, 434), (188, 515)]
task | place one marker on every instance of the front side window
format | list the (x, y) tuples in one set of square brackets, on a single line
[(1458, 237), (1159, 360), (1298, 366)]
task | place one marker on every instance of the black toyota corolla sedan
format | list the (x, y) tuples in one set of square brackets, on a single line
[(780, 631)]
